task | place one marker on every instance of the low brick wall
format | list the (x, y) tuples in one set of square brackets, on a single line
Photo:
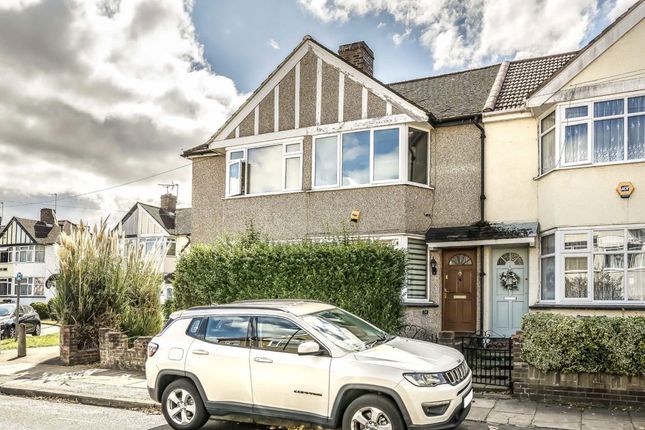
[(70, 354), (116, 353), (594, 389)]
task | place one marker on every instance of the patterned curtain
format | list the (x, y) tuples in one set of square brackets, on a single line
[(608, 140), (636, 137), (575, 143)]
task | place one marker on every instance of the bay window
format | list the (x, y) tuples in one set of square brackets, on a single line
[(6, 255), (264, 169), (600, 265), (371, 157), (598, 131)]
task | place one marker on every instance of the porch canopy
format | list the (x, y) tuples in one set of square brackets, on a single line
[(482, 234)]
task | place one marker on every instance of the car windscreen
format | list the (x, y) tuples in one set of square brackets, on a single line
[(344, 329), (6, 310)]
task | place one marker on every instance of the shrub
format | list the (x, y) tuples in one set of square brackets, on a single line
[(42, 309), (363, 277), (101, 284), (568, 344)]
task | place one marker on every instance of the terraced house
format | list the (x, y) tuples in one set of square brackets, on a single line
[(448, 168)]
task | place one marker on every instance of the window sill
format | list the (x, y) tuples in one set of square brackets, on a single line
[(276, 193), (385, 184), (590, 306), (587, 166), (420, 304)]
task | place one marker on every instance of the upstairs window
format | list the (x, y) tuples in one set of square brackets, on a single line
[(602, 131), (264, 169), (371, 157)]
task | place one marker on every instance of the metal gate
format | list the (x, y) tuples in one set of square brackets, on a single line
[(489, 358)]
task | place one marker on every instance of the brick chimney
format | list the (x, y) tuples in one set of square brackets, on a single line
[(169, 202), (359, 55), (48, 216)]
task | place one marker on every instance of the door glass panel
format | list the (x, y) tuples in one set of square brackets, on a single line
[(510, 257), (575, 277), (227, 330), (460, 260), (279, 334)]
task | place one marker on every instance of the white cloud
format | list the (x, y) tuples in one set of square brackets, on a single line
[(618, 8), (470, 33), (381, 25), (399, 38), (116, 94), (273, 44)]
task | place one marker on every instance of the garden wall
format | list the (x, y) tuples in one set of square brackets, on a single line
[(70, 354), (117, 353), (597, 389)]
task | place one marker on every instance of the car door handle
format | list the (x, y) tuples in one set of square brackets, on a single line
[(200, 352), (263, 360)]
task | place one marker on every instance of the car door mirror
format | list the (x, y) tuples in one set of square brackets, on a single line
[(309, 348)]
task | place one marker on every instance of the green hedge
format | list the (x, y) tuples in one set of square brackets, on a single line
[(42, 309), (363, 277), (584, 344)]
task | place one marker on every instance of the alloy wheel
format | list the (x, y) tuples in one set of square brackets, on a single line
[(181, 406), (370, 418), (37, 330)]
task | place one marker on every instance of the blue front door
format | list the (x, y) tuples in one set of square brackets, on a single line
[(510, 290)]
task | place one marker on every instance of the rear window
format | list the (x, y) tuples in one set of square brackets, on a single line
[(193, 329)]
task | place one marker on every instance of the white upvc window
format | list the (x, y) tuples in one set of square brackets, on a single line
[(6, 254), (264, 169), (594, 265), (597, 131), (6, 286), (384, 155)]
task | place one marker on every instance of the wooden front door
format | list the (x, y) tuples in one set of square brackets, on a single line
[(459, 290)]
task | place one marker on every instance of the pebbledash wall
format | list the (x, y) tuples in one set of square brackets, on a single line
[(594, 389)]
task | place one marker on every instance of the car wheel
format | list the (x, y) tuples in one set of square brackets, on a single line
[(182, 406), (12, 333), (36, 330), (372, 411)]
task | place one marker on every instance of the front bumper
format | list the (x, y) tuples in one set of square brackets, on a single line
[(414, 398)]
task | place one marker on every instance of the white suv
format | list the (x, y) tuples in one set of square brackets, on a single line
[(281, 362)]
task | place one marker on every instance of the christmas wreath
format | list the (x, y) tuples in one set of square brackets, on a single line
[(510, 280)]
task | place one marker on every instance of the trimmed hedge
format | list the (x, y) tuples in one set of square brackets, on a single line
[(42, 309), (363, 277), (560, 343)]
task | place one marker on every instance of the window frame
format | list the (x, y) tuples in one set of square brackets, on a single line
[(589, 253), (590, 119), (555, 267), (403, 158), (244, 170), (542, 133)]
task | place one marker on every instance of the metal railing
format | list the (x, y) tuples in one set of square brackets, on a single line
[(489, 357)]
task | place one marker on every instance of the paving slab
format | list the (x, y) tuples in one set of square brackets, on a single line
[(483, 403), (600, 414), (495, 417), (478, 414), (515, 406), (606, 425)]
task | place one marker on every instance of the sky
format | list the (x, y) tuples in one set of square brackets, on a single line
[(99, 97)]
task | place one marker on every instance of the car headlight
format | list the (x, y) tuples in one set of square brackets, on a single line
[(425, 379)]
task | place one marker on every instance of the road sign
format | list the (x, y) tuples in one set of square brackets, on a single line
[(19, 276)]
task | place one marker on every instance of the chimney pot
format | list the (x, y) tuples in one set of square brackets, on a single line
[(169, 202), (48, 216), (359, 55)]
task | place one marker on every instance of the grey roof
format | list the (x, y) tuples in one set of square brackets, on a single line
[(482, 231), (525, 76), (453, 95), (179, 222), (42, 233)]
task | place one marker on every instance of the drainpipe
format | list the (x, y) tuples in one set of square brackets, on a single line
[(482, 199)]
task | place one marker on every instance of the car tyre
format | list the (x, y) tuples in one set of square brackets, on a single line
[(182, 406), (372, 411), (36, 330)]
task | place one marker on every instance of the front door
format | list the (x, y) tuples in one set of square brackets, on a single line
[(510, 290), (459, 290)]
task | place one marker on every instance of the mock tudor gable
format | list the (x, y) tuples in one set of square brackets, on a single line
[(313, 88)]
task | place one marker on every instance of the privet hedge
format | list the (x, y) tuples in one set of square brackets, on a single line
[(363, 277), (569, 344)]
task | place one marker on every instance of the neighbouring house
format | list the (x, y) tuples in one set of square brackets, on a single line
[(565, 151), (164, 230), (30, 247), (322, 142)]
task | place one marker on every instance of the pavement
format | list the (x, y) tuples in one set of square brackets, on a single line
[(41, 375)]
